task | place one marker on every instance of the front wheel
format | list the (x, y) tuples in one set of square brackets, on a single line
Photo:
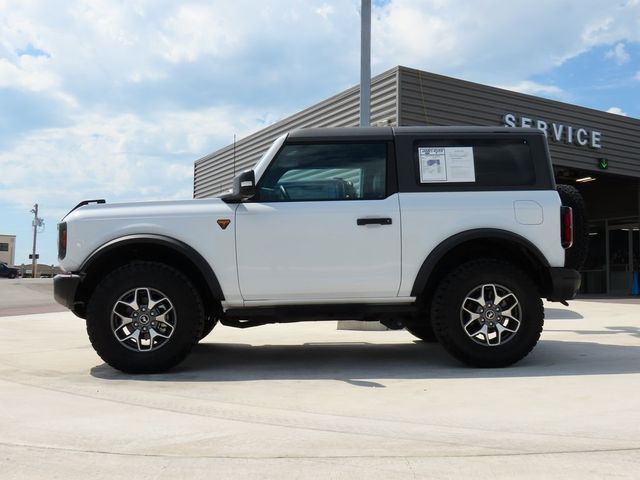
[(209, 322), (488, 313), (144, 317)]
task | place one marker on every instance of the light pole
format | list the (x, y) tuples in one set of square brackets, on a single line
[(37, 222), (365, 63)]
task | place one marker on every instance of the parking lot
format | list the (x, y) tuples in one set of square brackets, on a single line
[(310, 401)]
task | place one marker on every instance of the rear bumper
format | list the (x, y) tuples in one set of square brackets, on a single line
[(65, 287), (565, 283)]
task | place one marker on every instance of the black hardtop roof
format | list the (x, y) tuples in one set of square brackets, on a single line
[(387, 133)]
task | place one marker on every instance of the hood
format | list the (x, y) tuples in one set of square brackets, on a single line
[(103, 211)]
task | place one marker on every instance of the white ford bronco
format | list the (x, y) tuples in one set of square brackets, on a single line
[(455, 233)]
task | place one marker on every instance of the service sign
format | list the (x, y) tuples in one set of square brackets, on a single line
[(556, 131)]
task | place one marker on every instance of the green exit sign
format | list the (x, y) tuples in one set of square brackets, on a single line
[(603, 163)]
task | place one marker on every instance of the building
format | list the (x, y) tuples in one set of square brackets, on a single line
[(42, 269), (598, 152), (8, 249)]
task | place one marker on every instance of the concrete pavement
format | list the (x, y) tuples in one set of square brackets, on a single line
[(22, 296), (309, 401)]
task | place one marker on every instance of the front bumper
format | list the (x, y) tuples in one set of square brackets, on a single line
[(65, 287), (565, 283)]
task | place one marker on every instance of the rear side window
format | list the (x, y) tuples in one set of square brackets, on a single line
[(325, 172), (479, 162)]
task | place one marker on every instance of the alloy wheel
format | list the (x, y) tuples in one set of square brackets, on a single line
[(143, 319), (491, 315)]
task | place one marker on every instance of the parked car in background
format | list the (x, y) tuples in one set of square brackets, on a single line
[(7, 271)]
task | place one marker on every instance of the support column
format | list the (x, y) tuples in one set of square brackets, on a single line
[(365, 121), (365, 63)]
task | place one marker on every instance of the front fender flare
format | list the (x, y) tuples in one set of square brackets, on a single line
[(177, 245)]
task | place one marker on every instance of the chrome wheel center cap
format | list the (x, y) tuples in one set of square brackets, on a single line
[(490, 315), (144, 319)]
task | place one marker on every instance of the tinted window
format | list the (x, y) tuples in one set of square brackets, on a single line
[(316, 172), (497, 163), (4, 247)]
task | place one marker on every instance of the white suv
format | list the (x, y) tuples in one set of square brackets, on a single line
[(455, 233)]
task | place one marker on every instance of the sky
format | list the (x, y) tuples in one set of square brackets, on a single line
[(116, 99)]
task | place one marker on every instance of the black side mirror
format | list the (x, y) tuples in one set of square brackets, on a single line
[(244, 187)]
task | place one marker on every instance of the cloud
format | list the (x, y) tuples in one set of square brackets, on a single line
[(617, 111), (619, 54), (28, 73), (534, 88), (517, 40), (637, 75), (120, 158), (144, 55), (100, 94), (325, 10), (25, 111), (194, 31)]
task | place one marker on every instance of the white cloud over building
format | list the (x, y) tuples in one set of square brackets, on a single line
[(115, 99)]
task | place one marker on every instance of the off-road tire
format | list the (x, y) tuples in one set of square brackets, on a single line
[(446, 312), (179, 290), (576, 255), (209, 322), (422, 329)]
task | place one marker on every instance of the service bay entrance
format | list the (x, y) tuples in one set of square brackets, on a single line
[(613, 264)]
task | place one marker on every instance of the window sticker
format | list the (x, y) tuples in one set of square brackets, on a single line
[(446, 164)]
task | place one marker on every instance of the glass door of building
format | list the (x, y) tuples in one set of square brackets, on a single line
[(624, 247), (594, 271)]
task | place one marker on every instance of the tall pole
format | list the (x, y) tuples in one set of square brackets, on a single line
[(365, 63), (34, 261)]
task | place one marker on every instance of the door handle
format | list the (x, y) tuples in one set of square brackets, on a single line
[(374, 221)]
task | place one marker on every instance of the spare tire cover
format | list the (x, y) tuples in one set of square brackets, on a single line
[(576, 255)]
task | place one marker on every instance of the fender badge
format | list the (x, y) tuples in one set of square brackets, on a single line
[(224, 223)]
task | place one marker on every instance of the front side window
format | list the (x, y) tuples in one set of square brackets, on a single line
[(324, 172)]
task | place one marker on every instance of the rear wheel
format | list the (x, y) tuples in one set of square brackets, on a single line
[(144, 317), (422, 329), (488, 313)]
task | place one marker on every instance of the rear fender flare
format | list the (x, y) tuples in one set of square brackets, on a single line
[(450, 243)]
